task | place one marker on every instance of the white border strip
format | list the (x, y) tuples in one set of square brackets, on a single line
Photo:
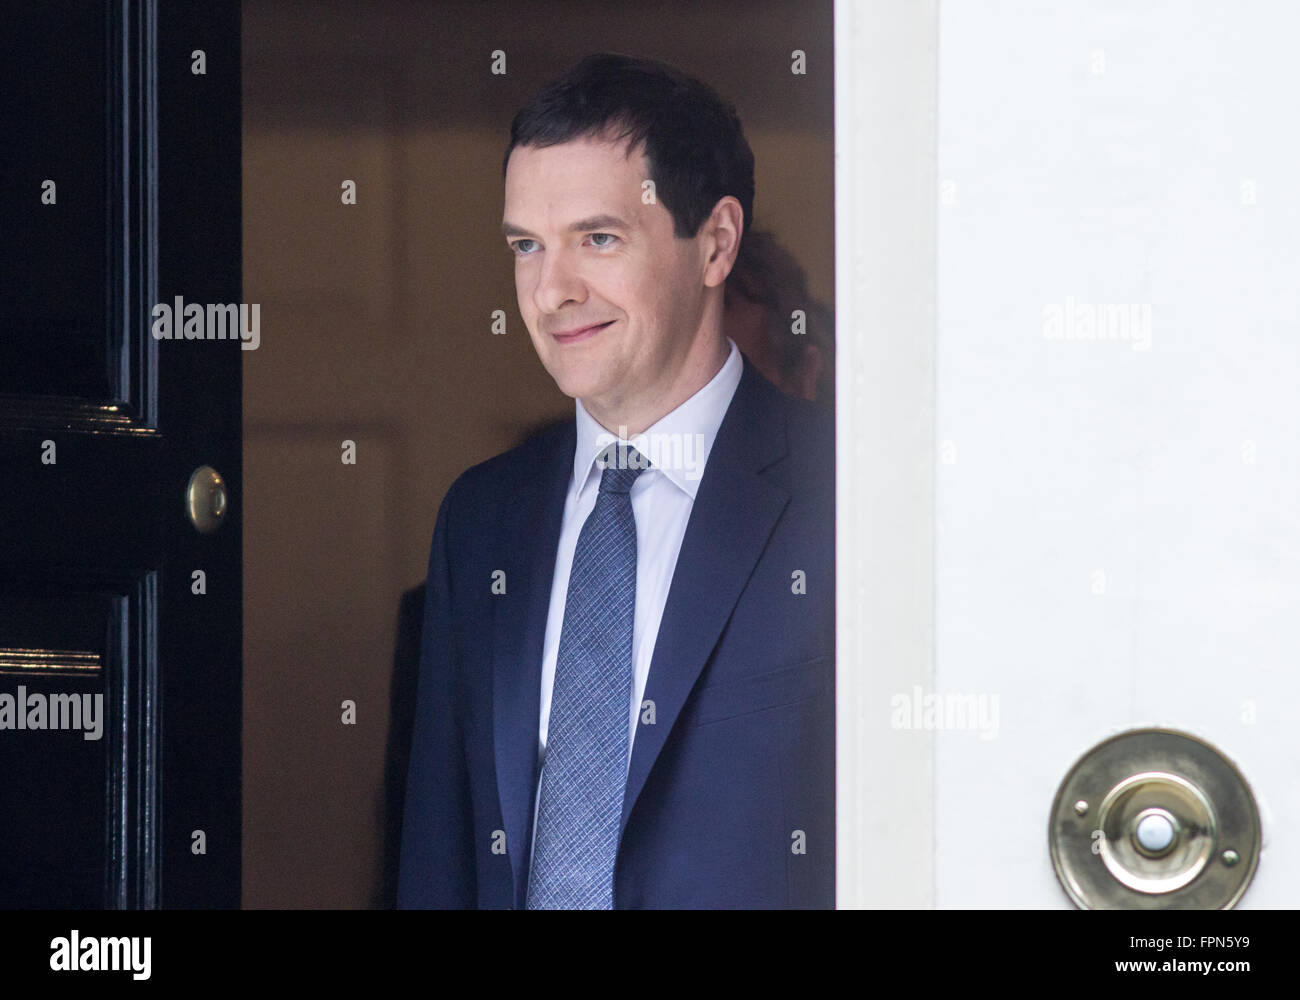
[(886, 92)]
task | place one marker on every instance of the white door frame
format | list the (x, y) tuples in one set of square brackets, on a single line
[(886, 93)]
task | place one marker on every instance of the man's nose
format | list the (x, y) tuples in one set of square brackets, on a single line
[(558, 282)]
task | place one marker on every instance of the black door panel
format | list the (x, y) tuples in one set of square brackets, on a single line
[(101, 426)]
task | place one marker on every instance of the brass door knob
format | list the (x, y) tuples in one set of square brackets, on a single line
[(205, 499), (1154, 819)]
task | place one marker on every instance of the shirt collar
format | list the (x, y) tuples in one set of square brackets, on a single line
[(678, 444)]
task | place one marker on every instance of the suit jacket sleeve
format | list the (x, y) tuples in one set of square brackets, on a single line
[(437, 864)]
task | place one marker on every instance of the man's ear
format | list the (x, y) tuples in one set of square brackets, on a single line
[(723, 230)]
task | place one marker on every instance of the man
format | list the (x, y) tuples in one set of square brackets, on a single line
[(626, 691), (764, 289)]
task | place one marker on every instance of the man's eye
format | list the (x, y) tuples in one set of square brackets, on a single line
[(610, 235), (516, 247)]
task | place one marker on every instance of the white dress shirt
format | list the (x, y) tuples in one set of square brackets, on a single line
[(678, 446)]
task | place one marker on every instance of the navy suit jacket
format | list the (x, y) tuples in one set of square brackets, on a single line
[(731, 790)]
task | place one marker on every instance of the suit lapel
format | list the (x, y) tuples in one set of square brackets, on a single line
[(732, 518), (530, 535)]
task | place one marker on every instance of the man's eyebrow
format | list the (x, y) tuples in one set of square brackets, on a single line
[(582, 225)]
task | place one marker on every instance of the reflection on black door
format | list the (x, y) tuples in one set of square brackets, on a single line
[(120, 622)]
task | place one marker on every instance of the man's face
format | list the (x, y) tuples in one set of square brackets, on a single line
[(589, 251)]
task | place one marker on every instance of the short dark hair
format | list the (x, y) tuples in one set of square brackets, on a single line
[(694, 146)]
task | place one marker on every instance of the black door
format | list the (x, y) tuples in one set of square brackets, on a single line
[(120, 620)]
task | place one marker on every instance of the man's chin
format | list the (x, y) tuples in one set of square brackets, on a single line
[(575, 385)]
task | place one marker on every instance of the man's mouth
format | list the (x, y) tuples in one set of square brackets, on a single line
[(579, 334)]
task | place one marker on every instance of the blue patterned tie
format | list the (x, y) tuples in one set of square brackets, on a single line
[(586, 741)]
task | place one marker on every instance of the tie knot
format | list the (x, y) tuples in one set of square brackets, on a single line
[(622, 464)]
